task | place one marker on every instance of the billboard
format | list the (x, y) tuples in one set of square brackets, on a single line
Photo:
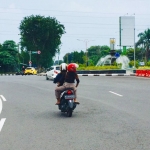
[(127, 30)]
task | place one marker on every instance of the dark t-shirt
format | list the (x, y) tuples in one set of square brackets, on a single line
[(71, 77), (23, 69), (59, 78)]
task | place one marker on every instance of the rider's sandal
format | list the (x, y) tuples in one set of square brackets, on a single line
[(77, 102), (57, 104)]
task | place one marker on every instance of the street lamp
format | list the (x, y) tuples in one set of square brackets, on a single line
[(86, 41), (58, 56), (134, 47)]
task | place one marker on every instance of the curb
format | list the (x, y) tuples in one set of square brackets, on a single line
[(14, 75), (80, 75), (7, 74), (106, 74), (41, 74)]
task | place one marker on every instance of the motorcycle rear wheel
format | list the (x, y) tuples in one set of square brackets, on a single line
[(69, 113)]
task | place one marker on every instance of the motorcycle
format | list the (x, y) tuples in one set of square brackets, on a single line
[(67, 101)]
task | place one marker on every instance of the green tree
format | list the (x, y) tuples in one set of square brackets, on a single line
[(9, 56), (144, 41), (0, 46), (41, 33), (76, 57), (105, 50), (96, 52), (138, 54), (130, 53)]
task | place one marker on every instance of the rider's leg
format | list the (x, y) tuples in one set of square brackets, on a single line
[(58, 92), (75, 99), (75, 92)]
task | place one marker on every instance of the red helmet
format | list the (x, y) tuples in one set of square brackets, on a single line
[(72, 67)]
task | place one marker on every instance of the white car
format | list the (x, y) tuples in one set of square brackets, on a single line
[(52, 73)]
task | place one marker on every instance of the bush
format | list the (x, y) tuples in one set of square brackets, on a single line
[(144, 67), (148, 63), (131, 64), (98, 68)]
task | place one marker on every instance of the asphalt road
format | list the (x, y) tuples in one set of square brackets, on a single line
[(114, 114)]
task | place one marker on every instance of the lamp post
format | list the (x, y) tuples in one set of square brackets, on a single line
[(134, 48), (18, 56), (58, 56), (86, 41)]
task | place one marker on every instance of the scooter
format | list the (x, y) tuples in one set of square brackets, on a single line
[(67, 103)]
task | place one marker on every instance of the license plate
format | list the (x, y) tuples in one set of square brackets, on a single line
[(69, 96)]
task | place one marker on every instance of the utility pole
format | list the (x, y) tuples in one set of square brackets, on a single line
[(30, 62), (86, 54), (30, 55), (58, 56), (18, 57)]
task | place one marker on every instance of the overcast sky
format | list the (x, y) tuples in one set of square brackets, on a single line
[(95, 21)]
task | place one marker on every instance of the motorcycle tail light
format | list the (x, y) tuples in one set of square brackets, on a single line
[(69, 92), (55, 72)]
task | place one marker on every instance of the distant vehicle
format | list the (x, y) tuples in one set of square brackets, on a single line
[(30, 70), (52, 73)]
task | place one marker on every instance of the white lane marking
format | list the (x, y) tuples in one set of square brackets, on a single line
[(2, 121), (1, 106), (2, 97), (115, 93)]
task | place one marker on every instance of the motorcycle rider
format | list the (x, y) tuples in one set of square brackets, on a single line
[(69, 81), (23, 70), (61, 76)]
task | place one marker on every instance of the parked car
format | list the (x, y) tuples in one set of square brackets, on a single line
[(30, 70), (52, 73)]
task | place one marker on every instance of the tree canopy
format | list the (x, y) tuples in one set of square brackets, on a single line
[(41, 33), (144, 41), (96, 52), (77, 57), (8, 56)]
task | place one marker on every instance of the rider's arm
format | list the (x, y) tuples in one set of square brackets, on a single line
[(77, 80), (62, 79), (57, 78)]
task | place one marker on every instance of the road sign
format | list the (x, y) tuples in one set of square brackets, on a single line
[(34, 52), (39, 52), (117, 55)]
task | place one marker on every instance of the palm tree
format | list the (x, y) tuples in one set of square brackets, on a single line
[(144, 40)]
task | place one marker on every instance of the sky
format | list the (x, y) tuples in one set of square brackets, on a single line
[(87, 22)]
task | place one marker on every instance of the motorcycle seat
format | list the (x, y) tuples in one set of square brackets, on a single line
[(68, 89)]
